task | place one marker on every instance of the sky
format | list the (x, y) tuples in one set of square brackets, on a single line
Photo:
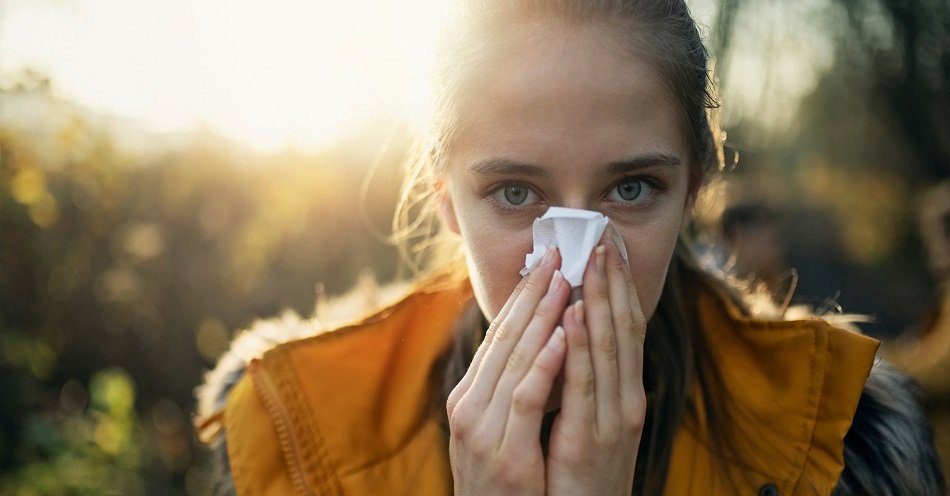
[(268, 74)]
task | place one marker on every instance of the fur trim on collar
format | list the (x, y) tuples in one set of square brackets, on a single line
[(364, 299)]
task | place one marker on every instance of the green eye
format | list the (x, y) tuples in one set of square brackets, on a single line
[(513, 196), (630, 190), (633, 190)]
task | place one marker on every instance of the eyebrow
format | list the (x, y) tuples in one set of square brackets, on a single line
[(500, 166), (642, 162)]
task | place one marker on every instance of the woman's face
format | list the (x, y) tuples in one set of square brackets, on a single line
[(563, 116)]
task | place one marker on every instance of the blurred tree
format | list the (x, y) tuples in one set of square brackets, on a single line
[(894, 56), (868, 134), (123, 275)]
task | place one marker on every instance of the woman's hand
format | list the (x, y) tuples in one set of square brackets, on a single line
[(495, 411), (595, 438)]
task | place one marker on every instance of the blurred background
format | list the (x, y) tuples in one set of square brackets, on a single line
[(172, 171)]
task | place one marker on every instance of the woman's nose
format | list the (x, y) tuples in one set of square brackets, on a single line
[(579, 202)]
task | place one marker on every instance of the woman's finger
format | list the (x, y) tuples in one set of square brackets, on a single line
[(469, 376), (508, 333), (531, 395), (578, 407), (630, 327), (603, 340), (538, 332)]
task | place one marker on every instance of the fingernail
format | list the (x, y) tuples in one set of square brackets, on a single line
[(601, 253), (548, 256), (579, 312), (557, 339), (555, 281)]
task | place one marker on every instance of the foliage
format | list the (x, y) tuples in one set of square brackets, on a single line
[(123, 276)]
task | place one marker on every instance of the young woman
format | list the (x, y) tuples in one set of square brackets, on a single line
[(656, 380)]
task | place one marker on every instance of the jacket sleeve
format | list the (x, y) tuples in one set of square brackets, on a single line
[(889, 449)]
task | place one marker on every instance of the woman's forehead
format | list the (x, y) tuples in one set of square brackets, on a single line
[(562, 57), (564, 90)]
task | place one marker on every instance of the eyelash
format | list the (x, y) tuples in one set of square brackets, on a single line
[(655, 188)]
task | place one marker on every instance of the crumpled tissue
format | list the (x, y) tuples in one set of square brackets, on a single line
[(575, 232)]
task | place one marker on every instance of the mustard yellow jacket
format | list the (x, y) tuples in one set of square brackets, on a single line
[(354, 411)]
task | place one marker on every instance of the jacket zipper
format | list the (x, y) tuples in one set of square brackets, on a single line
[(282, 424)]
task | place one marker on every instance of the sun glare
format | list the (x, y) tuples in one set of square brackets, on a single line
[(269, 74)]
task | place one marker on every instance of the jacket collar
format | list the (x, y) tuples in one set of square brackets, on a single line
[(789, 393)]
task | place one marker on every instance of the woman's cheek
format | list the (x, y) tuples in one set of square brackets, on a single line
[(495, 259), (649, 254)]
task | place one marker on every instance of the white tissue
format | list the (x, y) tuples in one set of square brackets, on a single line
[(575, 232)]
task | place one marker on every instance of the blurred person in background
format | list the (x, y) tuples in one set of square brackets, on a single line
[(752, 237), (475, 380), (924, 350)]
